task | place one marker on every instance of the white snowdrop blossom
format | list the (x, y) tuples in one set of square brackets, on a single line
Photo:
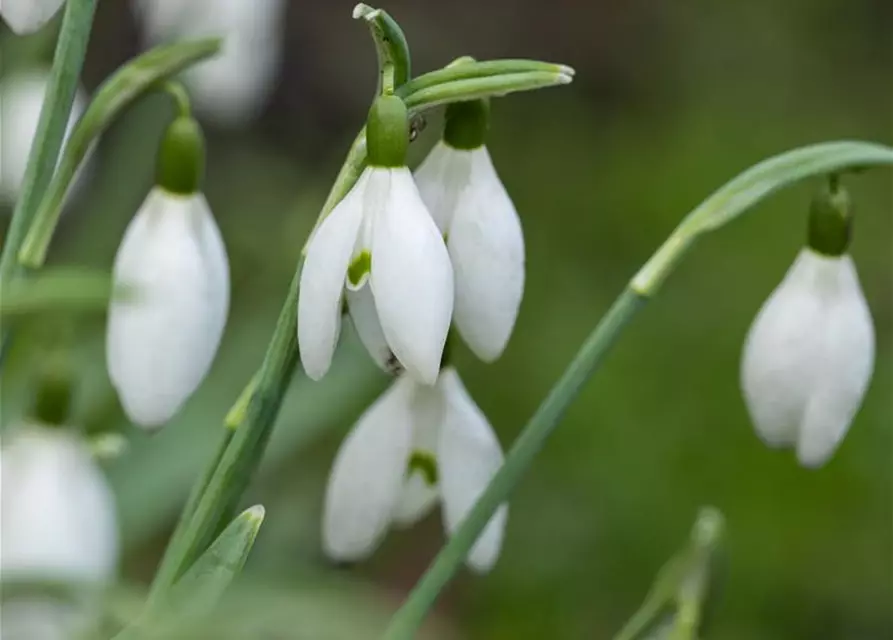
[(27, 16), (234, 86), (21, 97), (486, 245), (809, 357), (415, 446), (379, 249), (58, 513), (164, 332)]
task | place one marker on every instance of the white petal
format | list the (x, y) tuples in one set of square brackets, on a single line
[(58, 514), (419, 496), (161, 343), (322, 282), (233, 87), (367, 476), (364, 317), (844, 371), (27, 16), (486, 246), (809, 356), (21, 97), (469, 456), (412, 278), (443, 175)]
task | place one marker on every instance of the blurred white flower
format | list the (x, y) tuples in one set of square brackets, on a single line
[(809, 357), (381, 247), (58, 513), (21, 97), (414, 446), (483, 233), (27, 16), (162, 338), (233, 87)]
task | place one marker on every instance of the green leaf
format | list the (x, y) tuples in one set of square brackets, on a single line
[(750, 187), (62, 289), (467, 68), (118, 92), (197, 593)]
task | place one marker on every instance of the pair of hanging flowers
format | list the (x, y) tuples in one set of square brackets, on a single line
[(410, 256)]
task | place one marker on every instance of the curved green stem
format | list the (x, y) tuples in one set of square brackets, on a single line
[(118, 92), (726, 204), (77, 23)]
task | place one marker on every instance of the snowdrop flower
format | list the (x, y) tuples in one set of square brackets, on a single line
[(27, 16), (474, 212), (415, 446), (58, 513), (21, 97), (162, 338), (809, 356), (233, 87), (379, 249)]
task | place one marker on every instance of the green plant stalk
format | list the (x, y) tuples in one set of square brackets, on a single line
[(124, 87), (254, 413), (77, 22), (520, 456), (726, 204)]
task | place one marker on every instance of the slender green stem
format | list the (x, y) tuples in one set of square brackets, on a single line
[(119, 91), (71, 47), (517, 461)]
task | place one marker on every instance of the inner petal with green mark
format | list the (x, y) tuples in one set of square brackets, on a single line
[(425, 464), (359, 269)]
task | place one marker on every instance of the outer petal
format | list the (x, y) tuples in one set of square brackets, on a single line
[(777, 368), (322, 282), (27, 16), (843, 366), (419, 496), (58, 514), (412, 278), (367, 477), (441, 178), (21, 96), (487, 249), (469, 455), (160, 345)]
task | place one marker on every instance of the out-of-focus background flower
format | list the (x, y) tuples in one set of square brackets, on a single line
[(670, 100)]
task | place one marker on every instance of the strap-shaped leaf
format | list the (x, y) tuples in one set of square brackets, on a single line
[(60, 289), (197, 593)]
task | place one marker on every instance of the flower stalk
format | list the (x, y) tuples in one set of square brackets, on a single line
[(68, 59)]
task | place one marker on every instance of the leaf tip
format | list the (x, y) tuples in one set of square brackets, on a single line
[(365, 12)]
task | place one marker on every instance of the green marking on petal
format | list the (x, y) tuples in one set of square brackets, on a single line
[(359, 268), (425, 463)]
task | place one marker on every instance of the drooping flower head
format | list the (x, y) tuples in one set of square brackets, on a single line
[(483, 232), (380, 251), (172, 265), (809, 355), (417, 446)]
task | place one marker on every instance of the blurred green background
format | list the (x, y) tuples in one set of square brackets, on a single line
[(671, 100)]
